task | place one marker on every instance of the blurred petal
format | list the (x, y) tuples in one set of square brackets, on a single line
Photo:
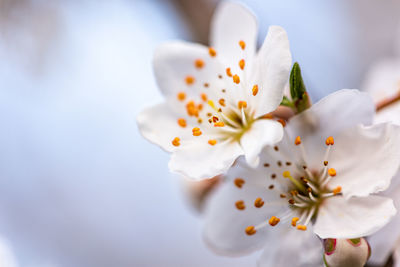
[(262, 133), (376, 154), (358, 216), (271, 70)]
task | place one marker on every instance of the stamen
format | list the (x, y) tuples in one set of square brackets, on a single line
[(297, 141), (258, 203), (189, 80), (250, 230), (236, 79), (212, 52), (242, 104), (255, 90), (311, 195), (240, 205), (199, 63), (242, 44), (206, 85), (228, 72), (274, 221), (239, 182), (221, 101), (301, 227), (204, 97), (182, 122), (176, 141), (332, 172), (287, 174), (294, 221), (241, 64), (191, 109), (181, 96), (337, 190), (219, 124), (212, 142), (330, 141), (282, 121), (196, 131)]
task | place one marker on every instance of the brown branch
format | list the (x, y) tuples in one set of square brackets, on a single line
[(387, 102)]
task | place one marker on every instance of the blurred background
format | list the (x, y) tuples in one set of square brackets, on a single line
[(79, 186)]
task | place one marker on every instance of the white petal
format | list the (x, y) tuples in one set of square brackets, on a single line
[(262, 133), (353, 218), (199, 160), (158, 124), (232, 22), (365, 159), (304, 248), (174, 61), (384, 241), (329, 117), (271, 70), (225, 225)]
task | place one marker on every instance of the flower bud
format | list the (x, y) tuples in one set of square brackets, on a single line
[(346, 252)]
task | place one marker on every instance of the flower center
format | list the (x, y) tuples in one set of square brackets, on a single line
[(304, 189)]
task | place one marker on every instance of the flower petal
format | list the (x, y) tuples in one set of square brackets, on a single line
[(353, 218), (376, 154), (384, 241), (262, 133), (175, 61), (271, 70), (225, 225), (158, 124), (329, 117), (294, 243), (199, 160), (232, 22)]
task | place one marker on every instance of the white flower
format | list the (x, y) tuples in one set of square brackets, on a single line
[(216, 97), (322, 174)]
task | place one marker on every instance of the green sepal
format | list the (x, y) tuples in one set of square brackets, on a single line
[(287, 102), (297, 87), (303, 103)]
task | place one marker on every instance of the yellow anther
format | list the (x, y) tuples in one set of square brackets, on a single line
[(212, 142), (258, 203), (242, 104), (199, 120), (241, 64), (182, 122), (301, 227), (332, 172), (212, 51), (329, 141), (281, 121), (219, 124), (242, 44), (176, 141), (199, 63), (196, 131), (255, 90), (228, 72), (297, 141), (236, 79), (337, 190), (240, 205), (200, 106), (189, 80), (250, 230), (274, 221), (204, 97), (215, 119), (221, 101), (192, 109), (206, 85), (325, 163), (239, 182), (294, 192), (181, 96), (286, 174), (282, 195), (294, 221)]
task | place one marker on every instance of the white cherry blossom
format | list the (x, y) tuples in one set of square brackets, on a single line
[(321, 178), (218, 98)]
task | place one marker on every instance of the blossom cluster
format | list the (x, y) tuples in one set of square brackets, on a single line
[(292, 173)]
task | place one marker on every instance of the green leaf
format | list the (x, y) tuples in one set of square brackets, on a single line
[(297, 87)]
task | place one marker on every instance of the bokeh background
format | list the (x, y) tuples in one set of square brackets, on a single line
[(79, 186)]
